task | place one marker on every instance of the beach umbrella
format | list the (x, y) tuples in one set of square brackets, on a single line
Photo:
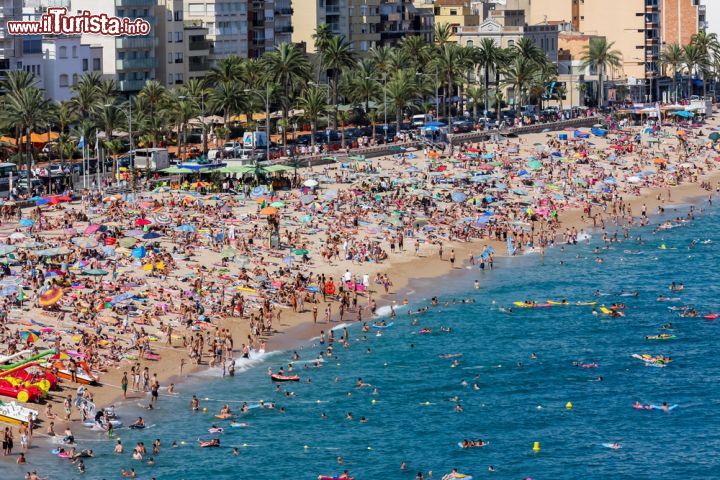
[(95, 272), (85, 242), (6, 249), (315, 205), (458, 197), (243, 260), (151, 236), (185, 228), (29, 336), (259, 190), (42, 201), (139, 252), (535, 165), (27, 222), (269, 211), (311, 183), (50, 297), (163, 219), (8, 290), (90, 229), (300, 251), (228, 253), (306, 218), (277, 204), (305, 199), (660, 161), (714, 136), (141, 222), (127, 242), (288, 260)]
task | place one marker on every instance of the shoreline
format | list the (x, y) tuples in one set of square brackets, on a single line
[(295, 330)]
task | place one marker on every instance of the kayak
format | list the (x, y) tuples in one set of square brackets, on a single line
[(611, 445), (553, 302), (712, 316), (583, 304), (661, 337), (326, 477), (284, 378)]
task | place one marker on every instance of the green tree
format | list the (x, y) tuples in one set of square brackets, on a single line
[(29, 111), (401, 90), (600, 55), (673, 58), (313, 103), (337, 56)]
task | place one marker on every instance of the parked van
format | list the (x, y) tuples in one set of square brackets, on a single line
[(421, 119)]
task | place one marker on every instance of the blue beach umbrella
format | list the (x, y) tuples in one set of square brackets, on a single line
[(26, 222)]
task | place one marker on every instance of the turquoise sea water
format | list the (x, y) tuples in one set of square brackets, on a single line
[(413, 419)]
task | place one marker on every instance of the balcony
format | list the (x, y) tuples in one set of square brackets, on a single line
[(284, 11), (285, 29), (332, 9), (133, 3), (135, 64), (199, 45), (201, 66), (131, 85), (135, 42)]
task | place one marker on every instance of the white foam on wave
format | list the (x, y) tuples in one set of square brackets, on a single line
[(241, 364), (581, 237), (385, 310)]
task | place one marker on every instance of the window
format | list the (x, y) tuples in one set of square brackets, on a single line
[(179, 57), (178, 15), (469, 44), (170, 58), (169, 37), (196, 9), (178, 37), (511, 43), (169, 16), (170, 78), (63, 52), (63, 80), (85, 65), (74, 51), (75, 78), (453, 12), (96, 64)]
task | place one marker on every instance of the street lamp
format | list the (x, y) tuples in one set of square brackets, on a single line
[(267, 117)]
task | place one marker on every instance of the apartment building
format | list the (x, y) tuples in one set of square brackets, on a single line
[(679, 20), (270, 23), (226, 22), (182, 50), (711, 20), (9, 45), (364, 23), (455, 13), (131, 61), (58, 63)]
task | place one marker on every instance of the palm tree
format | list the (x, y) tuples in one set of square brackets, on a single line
[(488, 57), (417, 49), (154, 93), (710, 47), (108, 117), (380, 56), (182, 111), (560, 92), (313, 102), (527, 48), (29, 111), (519, 75), (321, 37), (361, 86), (288, 67), (451, 63), (228, 98), (63, 116), (599, 54), (695, 61), (401, 90), (443, 33), (336, 57), (343, 119), (673, 57), (228, 69), (476, 95), (196, 90), (87, 95)]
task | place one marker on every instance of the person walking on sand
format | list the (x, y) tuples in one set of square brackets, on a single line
[(124, 385)]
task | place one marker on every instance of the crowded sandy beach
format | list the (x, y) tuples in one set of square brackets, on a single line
[(120, 297)]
